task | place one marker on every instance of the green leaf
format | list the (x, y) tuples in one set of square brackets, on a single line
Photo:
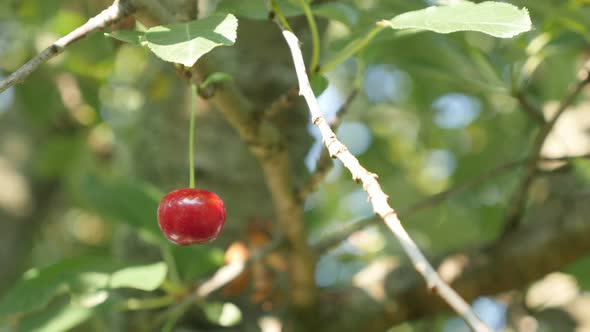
[(494, 18), (56, 319), (77, 276), (195, 262), (216, 78), (38, 286), (185, 43), (318, 83), (146, 277), (338, 11), (128, 36)]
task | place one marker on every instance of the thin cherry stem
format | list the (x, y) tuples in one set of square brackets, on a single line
[(191, 137)]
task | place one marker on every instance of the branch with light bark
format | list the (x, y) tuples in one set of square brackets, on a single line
[(111, 15), (377, 197), (325, 163)]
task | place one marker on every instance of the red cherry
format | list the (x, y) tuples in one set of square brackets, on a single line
[(189, 216)]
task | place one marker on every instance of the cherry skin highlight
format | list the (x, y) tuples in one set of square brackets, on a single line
[(191, 216)]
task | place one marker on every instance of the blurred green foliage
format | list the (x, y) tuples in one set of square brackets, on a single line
[(90, 128)]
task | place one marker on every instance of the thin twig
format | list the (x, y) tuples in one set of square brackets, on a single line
[(218, 280), (342, 234), (109, 16), (376, 195), (324, 164), (283, 102), (529, 108), (519, 200), (229, 272)]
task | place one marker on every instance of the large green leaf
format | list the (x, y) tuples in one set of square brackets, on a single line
[(56, 319), (77, 276), (494, 18), (185, 43), (39, 286)]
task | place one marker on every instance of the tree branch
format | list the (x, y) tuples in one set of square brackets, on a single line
[(376, 195), (115, 12), (267, 144), (324, 164), (229, 272), (519, 200)]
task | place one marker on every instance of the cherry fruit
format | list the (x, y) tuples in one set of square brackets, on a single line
[(191, 216)]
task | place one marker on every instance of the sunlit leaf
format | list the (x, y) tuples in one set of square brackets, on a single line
[(185, 43), (494, 18)]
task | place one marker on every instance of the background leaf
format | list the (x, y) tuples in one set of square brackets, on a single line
[(59, 318), (319, 83), (256, 9), (38, 286), (145, 277), (77, 276), (341, 12), (133, 203)]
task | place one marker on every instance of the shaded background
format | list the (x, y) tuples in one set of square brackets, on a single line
[(92, 140)]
